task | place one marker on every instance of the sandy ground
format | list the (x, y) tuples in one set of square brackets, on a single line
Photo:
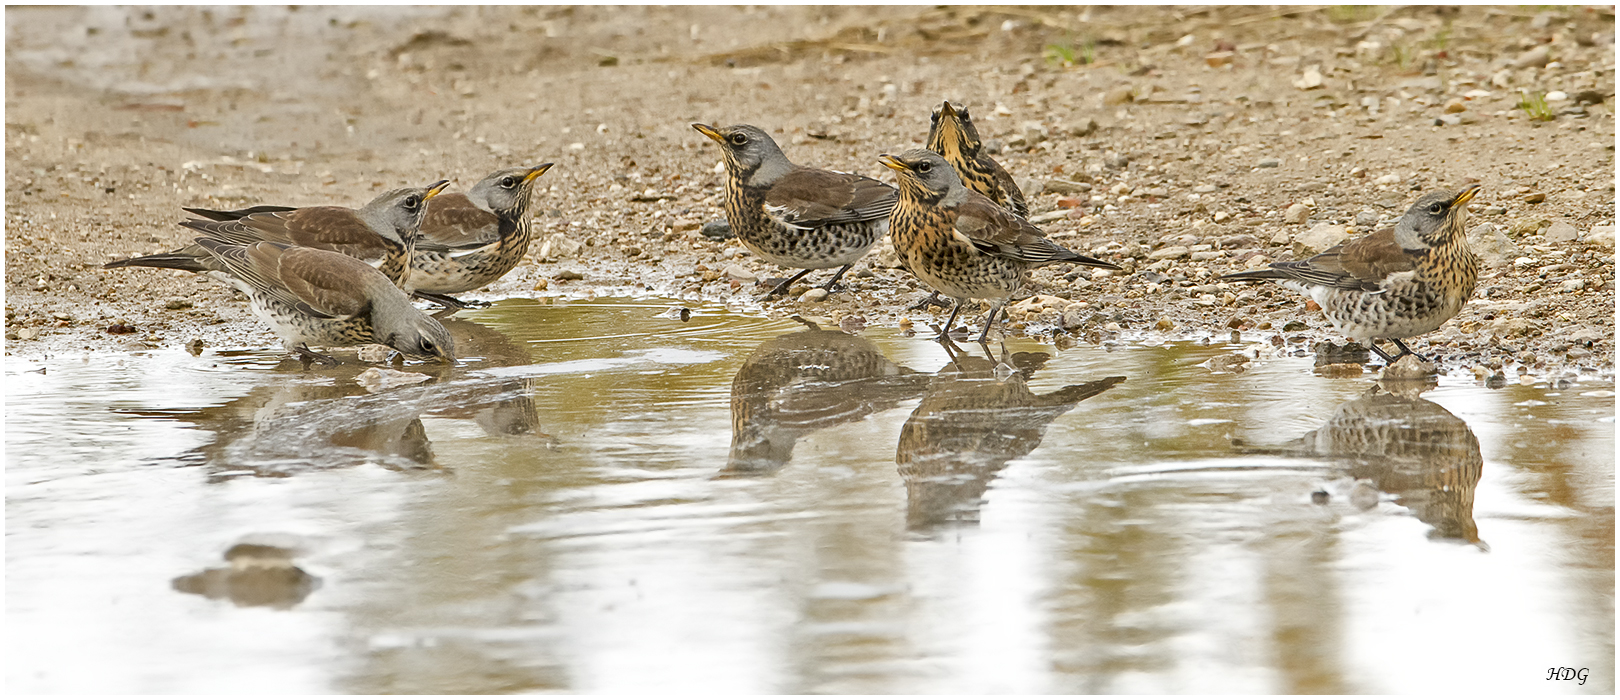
[(1179, 143)]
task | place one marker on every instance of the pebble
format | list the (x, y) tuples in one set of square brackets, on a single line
[(1572, 285), (1296, 213), (1408, 367), (1310, 79), (740, 273), (1320, 237), (1164, 324), (1268, 163), (1340, 369), (1047, 217), (1561, 232), (1492, 246), (1222, 217), (566, 275), (378, 379), (1535, 197), (1602, 237), (1364, 496), (1205, 189), (716, 230), (1169, 253), (1448, 120), (1119, 96), (1366, 218), (814, 295), (1534, 58), (1455, 106), (1067, 187)]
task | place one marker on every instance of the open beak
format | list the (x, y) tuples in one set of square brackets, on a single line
[(435, 188), (1466, 194), (537, 171), (710, 132), (892, 162)]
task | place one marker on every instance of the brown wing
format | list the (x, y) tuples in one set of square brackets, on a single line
[(1015, 196), (318, 283), (453, 222), (996, 231), (1361, 264), (810, 198), (336, 229)]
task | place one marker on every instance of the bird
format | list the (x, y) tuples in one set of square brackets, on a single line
[(1395, 283), (470, 240), (795, 216), (962, 244), (381, 233), (970, 423), (313, 296), (801, 382), (951, 134)]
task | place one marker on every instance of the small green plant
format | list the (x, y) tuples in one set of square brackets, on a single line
[(1535, 105), (1065, 53), (1345, 14), (1401, 56)]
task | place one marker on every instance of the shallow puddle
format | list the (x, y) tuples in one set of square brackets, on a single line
[(599, 499)]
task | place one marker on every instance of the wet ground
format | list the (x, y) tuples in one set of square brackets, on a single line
[(564, 511)]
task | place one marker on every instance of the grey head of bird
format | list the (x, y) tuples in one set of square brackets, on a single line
[(751, 154), (1436, 218), (397, 214), (926, 176), (420, 336), (507, 191), (951, 126)]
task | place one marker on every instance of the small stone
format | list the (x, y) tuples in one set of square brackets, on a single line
[(177, 304), (1408, 367), (716, 230), (1339, 370), (814, 295), (1534, 58), (115, 329), (1071, 202), (1216, 59), (32, 333), (1268, 163), (1448, 120), (1228, 364), (1366, 218), (1169, 253), (1455, 106), (374, 354), (1297, 213), (1364, 496), (1205, 189), (542, 284), (1319, 238), (1320, 497), (1572, 285), (567, 275), (1067, 187), (1222, 217), (1311, 79), (194, 346), (1561, 232), (1535, 197), (1119, 96), (1492, 246), (1601, 236), (740, 273), (1164, 324)]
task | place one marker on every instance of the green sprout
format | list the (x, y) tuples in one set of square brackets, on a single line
[(1535, 105), (1064, 53)]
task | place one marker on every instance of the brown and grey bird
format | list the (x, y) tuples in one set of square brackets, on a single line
[(951, 134), (1395, 283), (798, 383), (794, 216), (962, 244), (319, 297), (969, 424), (470, 240), (381, 233)]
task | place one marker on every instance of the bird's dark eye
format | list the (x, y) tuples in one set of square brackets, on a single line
[(413, 202), (1436, 208), (427, 345), (739, 139), (924, 167), (509, 182)]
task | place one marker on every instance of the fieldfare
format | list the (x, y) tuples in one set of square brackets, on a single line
[(1395, 283), (381, 233), (470, 240), (794, 216), (962, 244), (312, 296)]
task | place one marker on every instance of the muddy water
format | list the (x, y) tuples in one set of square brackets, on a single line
[(602, 500)]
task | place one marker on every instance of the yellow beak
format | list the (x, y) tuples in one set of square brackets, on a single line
[(435, 188), (892, 162), (537, 171), (1466, 194), (710, 132)]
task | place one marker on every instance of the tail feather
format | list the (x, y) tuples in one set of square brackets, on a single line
[(171, 261), (232, 215), (1257, 275)]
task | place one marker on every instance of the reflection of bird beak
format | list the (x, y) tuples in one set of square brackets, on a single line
[(435, 188), (1466, 194), (892, 162), (537, 171), (710, 132)]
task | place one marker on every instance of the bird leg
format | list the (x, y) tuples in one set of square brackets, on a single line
[(1406, 350), (834, 281), (1373, 346), (449, 302), (307, 356), (933, 300), (783, 287), (945, 333), (995, 313)]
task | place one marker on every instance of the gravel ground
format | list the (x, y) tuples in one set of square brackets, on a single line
[(1180, 143)]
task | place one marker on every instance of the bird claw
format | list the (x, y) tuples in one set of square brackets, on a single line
[(931, 301), (307, 357)]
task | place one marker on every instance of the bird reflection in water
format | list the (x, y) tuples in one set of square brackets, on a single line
[(329, 421), (977, 415), (1406, 446), (258, 575), (804, 381)]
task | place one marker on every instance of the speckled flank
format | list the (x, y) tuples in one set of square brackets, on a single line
[(833, 245), (949, 264), (443, 273)]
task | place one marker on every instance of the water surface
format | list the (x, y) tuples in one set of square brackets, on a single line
[(602, 500)]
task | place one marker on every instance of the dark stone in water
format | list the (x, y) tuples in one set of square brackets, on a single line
[(1350, 353)]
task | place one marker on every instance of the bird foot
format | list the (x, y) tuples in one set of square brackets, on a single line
[(306, 357), (450, 302), (930, 301)]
